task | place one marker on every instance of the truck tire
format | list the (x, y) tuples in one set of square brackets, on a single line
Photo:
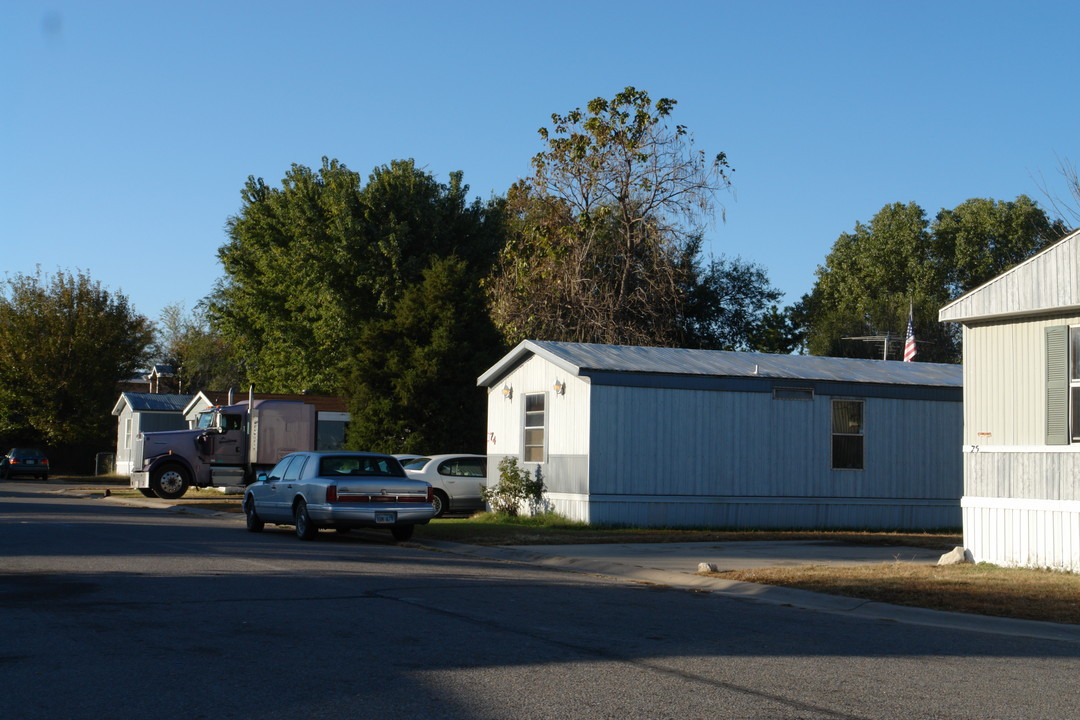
[(148, 493), (169, 482)]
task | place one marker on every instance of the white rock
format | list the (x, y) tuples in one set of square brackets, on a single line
[(956, 556), (707, 567)]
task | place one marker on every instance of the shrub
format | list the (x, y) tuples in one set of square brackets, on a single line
[(515, 487)]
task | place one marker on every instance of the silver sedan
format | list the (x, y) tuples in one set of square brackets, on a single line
[(340, 490)]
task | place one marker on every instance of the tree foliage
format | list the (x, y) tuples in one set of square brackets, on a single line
[(310, 263), (874, 275), (65, 344), (203, 359), (604, 238), (413, 377)]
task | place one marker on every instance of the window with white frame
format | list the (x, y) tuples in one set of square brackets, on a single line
[(847, 434), (534, 445)]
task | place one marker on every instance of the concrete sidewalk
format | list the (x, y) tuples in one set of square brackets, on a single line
[(675, 565)]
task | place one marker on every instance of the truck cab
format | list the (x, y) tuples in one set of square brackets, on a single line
[(226, 448)]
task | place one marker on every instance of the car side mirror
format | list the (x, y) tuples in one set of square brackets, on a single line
[(262, 477)]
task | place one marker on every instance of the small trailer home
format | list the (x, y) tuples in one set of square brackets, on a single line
[(664, 437), (138, 412)]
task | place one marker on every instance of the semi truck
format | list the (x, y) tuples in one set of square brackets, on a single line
[(227, 448)]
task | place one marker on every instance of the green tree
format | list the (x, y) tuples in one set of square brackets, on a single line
[(603, 238), (65, 344), (412, 382), (202, 358), (732, 306), (309, 264), (875, 275), (984, 238)]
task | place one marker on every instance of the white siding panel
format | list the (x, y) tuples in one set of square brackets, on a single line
[(1023, 533)]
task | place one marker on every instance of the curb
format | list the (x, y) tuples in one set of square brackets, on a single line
[(774, 595)]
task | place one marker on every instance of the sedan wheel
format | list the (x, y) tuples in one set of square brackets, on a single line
[(305, 529), (440, 502), (254, 524)]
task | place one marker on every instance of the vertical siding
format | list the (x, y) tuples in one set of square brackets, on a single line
[(1023, 533), (682, 442), (1004, 382)]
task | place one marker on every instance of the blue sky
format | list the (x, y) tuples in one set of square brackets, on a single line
[(128, 129)]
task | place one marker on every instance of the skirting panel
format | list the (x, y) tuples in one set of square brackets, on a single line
[(1023, 533), (756, 513)]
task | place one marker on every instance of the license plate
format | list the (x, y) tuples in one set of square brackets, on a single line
[(385, 517)]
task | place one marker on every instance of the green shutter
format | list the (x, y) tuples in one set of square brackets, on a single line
[(1057, 385)]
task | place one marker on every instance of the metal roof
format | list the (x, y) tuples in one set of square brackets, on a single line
[(583, 359), (152, 402), (1046, 283)]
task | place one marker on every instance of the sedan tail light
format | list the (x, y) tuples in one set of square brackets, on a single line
[(331, 493)]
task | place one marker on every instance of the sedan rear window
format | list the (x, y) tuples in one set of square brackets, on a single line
[(368, 466)]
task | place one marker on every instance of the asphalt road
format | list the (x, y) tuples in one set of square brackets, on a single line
[(108, 611)]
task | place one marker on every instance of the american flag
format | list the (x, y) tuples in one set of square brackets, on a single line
[(909, 341)]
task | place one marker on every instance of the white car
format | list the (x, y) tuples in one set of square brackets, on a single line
[(456, 480), (340, 490)]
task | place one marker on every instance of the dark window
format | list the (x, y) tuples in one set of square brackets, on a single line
[(359, 465), (790, 393), (293, 471), (847, 434), (279, 470), (464, 467)]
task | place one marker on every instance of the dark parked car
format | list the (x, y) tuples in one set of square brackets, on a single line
[(24, 461), (340, 490)]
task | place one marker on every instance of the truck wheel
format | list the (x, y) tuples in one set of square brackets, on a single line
[(254, 522), (148, 493), (305, 529), (440, 502), (169, 482), (402, 532)]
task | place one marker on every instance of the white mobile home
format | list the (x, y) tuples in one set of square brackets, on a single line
[(1021, 440), (672, 437), (144, 412)]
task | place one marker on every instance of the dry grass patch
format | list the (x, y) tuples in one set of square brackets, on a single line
[(979, 589)]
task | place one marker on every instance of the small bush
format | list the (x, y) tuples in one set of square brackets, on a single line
[(515, 488)]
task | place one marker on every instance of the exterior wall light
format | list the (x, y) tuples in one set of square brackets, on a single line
[(560, 387), (508, 392)]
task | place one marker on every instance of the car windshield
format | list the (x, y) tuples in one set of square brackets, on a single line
[(338, 465)]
